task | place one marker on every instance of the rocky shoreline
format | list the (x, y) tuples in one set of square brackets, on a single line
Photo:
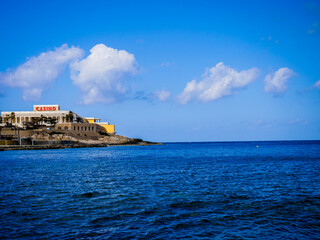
[(77, 145), (52, 140)]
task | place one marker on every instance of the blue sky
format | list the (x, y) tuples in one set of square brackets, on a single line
[(168, 70)]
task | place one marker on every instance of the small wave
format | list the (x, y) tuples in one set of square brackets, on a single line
[(88, 195), (189, 205), (184, 225), (105, 219), (151, 211)]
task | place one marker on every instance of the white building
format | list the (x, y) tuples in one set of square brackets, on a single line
[(48, 111)]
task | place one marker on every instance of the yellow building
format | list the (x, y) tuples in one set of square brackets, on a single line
[(110, 128)]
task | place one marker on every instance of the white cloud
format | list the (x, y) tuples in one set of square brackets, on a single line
[(37, 72), (276, 82), (270, 39), (313, 29), (217, 82), (101, 75), (162, 95), (166, 64), (159, 95), (317, 84)]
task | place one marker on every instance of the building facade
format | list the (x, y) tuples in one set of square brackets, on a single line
[(65, 120), (81, 129), (110, 128)]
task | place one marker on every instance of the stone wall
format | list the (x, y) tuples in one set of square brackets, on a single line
[(10, 133), (53, 142), (81, 130), (8, 142)]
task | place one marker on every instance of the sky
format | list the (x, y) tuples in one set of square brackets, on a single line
[(168, 71)]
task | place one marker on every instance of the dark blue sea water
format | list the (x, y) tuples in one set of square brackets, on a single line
[(237, 190)]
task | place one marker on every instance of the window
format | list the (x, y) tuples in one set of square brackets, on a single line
[(85, 128), (74, 128), (78, 128), (81, 128), (59, 128), (65, 128)]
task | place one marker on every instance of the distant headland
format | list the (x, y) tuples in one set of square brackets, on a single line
[(48, 127)]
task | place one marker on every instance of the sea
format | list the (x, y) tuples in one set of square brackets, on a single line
[(207, 190)]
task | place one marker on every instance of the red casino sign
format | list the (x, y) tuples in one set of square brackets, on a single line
[(46, 108)]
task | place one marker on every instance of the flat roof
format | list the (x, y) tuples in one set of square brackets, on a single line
[(64, 111), (91, 118)]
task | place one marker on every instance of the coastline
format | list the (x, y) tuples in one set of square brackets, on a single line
[(76, 145), (51, 139)]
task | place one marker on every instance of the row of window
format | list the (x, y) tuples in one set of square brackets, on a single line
[(83, 128), (78, 128), (27, 119)]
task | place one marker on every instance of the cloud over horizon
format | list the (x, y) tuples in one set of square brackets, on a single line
[(217, 82), (101, 75), (317, 84), (36, 73), (161, 95), (276, 82)]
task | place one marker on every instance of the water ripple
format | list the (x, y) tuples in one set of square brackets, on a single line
[(174, 191)]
